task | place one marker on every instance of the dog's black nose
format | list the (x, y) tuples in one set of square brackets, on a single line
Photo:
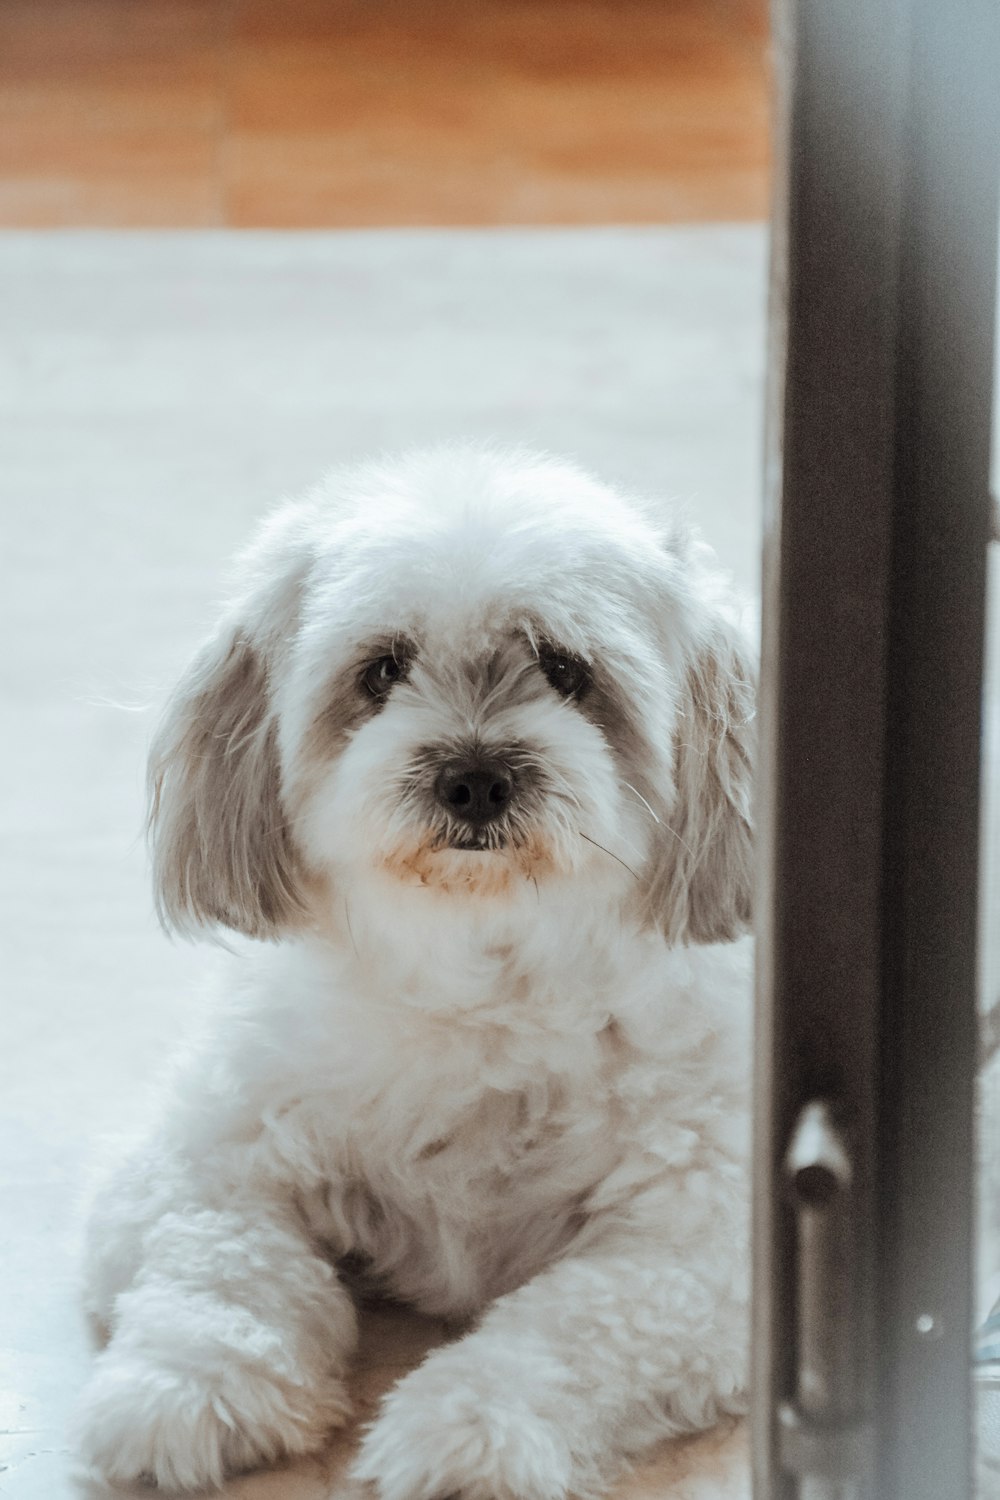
[(476, 791)]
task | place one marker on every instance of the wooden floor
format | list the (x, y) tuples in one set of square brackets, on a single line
[(374, 112)]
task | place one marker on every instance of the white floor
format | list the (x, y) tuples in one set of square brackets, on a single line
[(157, 392)]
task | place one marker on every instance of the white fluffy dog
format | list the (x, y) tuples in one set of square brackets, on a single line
[(472, 745)]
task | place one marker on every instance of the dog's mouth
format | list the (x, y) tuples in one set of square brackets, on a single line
[(477, 843), (485, 861)]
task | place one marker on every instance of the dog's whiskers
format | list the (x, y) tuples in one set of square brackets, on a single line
[(674, 834), (610, 855), (288, 825), (559, 787), (642, 799), (350, 929)]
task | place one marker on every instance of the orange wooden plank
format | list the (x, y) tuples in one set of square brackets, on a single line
[(110, 112), (348, 112), (531, 111)]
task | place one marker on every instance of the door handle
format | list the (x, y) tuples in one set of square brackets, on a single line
[(823, 1439)]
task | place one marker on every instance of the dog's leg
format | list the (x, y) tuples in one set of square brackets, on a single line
[(229, 1333), (565, 1379)]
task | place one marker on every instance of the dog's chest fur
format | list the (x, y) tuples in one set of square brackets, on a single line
[(456, 1151), (445, 1200)]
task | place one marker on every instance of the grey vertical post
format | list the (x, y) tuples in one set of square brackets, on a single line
[(875, 533)]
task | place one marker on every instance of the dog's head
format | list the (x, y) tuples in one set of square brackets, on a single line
[(476, 675)]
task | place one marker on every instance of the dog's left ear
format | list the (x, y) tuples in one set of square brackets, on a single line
[(223, 850), (703, 881)]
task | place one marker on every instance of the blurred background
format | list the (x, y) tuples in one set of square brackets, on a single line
[(347, 113)]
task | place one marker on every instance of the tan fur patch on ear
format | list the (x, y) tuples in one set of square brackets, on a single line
[(720, 899), (703, 888), (223, 849)]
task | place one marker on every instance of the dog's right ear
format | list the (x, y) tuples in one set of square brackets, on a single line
[(701, 881), (223, 852)]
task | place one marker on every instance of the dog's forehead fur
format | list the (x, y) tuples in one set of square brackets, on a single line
[(457, 552)]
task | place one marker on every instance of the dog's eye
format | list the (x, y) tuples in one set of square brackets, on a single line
[(381, 675), (569, 675)]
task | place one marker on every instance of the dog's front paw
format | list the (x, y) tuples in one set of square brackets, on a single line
[(459, 1427), (185, 1430)]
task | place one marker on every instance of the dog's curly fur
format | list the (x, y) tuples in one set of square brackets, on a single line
[(501, 1075)]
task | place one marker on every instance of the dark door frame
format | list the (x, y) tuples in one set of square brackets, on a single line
[(876, 527)]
